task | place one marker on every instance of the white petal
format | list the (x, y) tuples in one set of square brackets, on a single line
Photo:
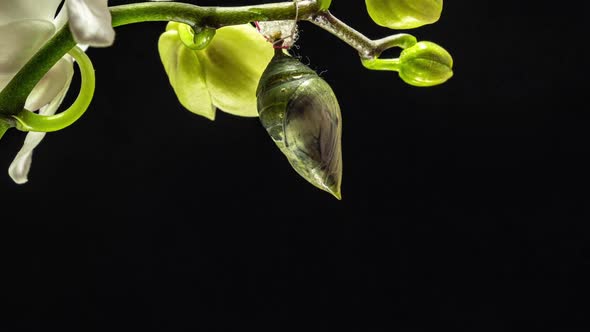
[(90, 22), (51, 84), (13, 10), (20, 166), (19, 40)]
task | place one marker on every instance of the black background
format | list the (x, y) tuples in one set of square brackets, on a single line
[(464, 205)]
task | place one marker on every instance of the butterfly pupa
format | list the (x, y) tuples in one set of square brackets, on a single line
[(301, 114)]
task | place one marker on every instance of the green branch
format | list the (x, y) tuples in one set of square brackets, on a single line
[(210, 17), (367, 48), (14, 95)]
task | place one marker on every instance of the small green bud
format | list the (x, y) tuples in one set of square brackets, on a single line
[(425, 64), (404, 14), (195, 40), (324, 4)]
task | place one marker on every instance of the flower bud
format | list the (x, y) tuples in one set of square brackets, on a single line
[(425, 64), (404, 14)]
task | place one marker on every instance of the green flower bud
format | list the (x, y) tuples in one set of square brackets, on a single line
[(404, 14), (425, 64)]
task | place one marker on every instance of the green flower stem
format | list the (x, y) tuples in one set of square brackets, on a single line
[(210, 17), (401, 40), (381, 64), (366, 47), (29, 121), (14, 95)]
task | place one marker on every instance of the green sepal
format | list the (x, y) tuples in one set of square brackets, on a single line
[(223, 75), (185, 74), (324, 4), (5, 124), (233, 64)]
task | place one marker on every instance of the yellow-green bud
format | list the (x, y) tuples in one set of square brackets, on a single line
[(404, 14), (425, 64)]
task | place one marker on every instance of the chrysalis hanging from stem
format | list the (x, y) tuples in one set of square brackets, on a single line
[(299, 111), (301, 114)]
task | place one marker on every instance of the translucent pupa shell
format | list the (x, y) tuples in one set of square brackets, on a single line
[(301, 114)]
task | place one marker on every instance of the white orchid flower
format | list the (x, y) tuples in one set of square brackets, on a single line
[(25, 25)]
